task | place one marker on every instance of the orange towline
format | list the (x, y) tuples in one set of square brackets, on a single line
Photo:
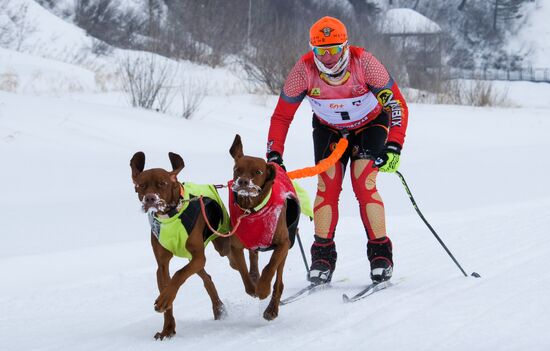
[(323, 165)]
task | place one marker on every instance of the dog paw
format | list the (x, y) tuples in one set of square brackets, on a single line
[(220, 312), (165, 334), (251, 291), (263, 289), (164, 301), (271, 312)]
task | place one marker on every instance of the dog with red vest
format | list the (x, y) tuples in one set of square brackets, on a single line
[(264, 211)]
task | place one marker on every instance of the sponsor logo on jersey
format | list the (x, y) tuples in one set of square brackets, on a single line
[(315, 92), (336, 106), (386, 99), (384, 96)]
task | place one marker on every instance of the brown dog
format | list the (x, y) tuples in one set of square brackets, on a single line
[(265, 211), (178, 228)]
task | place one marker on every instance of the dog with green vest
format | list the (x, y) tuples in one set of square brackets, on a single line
[(178, 228)]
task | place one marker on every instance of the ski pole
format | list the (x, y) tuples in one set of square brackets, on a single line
[(408, 190), (303, 253)]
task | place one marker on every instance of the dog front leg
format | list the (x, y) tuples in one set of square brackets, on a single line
[(169, 326), (272, 310), (163, 257), (253, 269), (279, 254), (195, 246), (238, 262), (168, 294)]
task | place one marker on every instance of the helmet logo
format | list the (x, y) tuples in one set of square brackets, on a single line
[(326, 31)]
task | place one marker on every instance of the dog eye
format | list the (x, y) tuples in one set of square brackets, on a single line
[(259, 172), (162, 184)]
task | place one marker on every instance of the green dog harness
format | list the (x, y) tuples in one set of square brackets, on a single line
[(173, 231)]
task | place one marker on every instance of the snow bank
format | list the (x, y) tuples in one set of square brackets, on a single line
[(59, 47), (24, 73), (48, 35)]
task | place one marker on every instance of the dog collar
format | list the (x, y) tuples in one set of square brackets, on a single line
[(257, 208), (264, 202), (175, 212)]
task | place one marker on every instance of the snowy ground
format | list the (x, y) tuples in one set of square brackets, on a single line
[(78, 272), (76, 267)]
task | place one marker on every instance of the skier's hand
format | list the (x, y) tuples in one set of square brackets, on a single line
[(388, 160), (276, 157)]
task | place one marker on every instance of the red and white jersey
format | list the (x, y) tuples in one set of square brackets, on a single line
[(367, 90), (349, 105)]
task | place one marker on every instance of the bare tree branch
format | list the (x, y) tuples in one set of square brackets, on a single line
[(147, 81)]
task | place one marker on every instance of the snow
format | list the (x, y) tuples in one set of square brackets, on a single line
[(52, 37), (406, 21), (32, 74), (78, 271), (47, 59), (76, 263), (525, 93)]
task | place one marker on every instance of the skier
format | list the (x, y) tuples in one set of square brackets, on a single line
[(352, 95)]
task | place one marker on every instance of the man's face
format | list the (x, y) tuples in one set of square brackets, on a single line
[(330, 60), (329, 55)]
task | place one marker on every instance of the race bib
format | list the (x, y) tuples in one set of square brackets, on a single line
[(346, 113)]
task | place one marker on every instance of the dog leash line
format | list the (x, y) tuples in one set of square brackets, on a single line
[(224, 235)]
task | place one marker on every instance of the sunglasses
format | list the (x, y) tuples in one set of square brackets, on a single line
[(333, 50)]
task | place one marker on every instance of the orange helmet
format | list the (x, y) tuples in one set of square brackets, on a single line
[(328, 31)]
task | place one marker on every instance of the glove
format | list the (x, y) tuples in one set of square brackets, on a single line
[(388, 160), (276, 157)]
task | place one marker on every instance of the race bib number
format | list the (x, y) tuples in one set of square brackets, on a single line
[(346, 113)]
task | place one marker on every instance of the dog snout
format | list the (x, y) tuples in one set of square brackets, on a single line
[(149, 199), (243, 182)]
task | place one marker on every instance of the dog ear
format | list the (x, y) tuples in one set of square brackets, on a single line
[(177, 163), (137, 163), (271, 172), (236, 149)]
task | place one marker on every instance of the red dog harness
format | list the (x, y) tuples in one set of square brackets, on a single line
[(257, 229)]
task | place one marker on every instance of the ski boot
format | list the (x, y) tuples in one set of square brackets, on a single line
[(379, 252), (323, 257)]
